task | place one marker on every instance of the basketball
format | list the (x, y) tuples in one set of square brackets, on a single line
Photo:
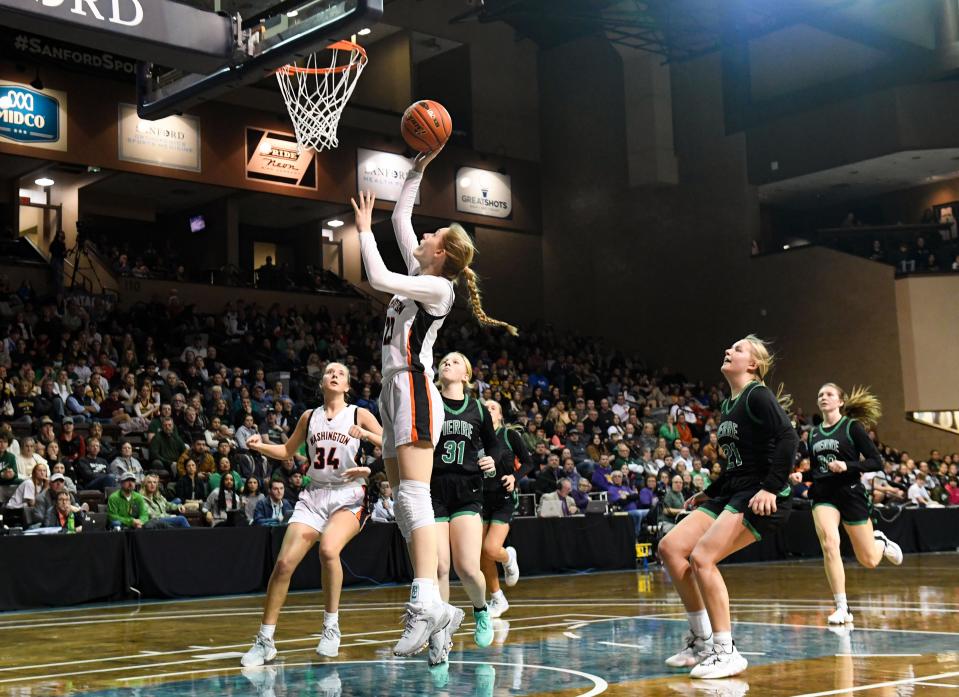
[(426, 125)]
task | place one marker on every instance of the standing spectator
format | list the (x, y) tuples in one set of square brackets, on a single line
[(125, 462), (58, 255), (93, 471), (126, 507), (160, 512), (275, 509), (166, 449)]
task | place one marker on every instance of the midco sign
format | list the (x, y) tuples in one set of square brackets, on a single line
[(126, 12), (33, 118)]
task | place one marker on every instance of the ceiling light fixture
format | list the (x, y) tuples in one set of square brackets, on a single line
[(44, 181), (365, 31), (292, 13), (336, 222)]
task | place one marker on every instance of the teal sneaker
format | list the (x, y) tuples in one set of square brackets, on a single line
[(483, 634), (485, 680), (440, 674)]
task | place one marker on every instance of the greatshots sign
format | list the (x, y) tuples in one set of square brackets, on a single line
[(272, 156), (173, 142), (35, 118), (481, 192), (383, 173)]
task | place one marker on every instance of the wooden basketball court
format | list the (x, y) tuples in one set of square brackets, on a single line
[(578, 634)]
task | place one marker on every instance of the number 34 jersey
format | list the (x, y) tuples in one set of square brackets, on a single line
[(331, 448)]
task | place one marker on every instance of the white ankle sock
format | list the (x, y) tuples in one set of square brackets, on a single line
[(724, 640), (267, 630), (699, 624), (840, 599), (423, 592), (331, 618), (498, 595)]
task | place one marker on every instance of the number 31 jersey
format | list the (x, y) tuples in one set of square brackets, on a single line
[(331, 448)]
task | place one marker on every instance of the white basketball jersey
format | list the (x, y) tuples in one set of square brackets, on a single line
[(408, 338), (331, 448)]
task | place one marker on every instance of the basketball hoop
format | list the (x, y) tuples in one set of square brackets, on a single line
[(315, 95)]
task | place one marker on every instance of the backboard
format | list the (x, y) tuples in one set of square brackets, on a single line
[(190, 51), (267, 35)]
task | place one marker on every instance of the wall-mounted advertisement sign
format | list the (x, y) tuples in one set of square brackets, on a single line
[(481, 192), (36, 118), (172, 142), (946, 420), (24, 46), (272, 156), (383, 173)]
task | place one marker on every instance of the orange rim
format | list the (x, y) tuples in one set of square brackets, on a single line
[(337, 46)]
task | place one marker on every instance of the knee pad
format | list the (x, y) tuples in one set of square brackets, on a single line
[(414, 507)]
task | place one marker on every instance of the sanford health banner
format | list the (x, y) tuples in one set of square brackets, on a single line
[(35, 118)]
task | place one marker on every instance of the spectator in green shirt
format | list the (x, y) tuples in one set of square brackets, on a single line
[(126, 507), (668, 429), (8, 464), (166, 448), (162, 513), (223, 465)]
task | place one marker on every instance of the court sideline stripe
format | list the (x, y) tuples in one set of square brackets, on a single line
[(877, 685)]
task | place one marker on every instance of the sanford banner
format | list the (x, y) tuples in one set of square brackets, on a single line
[(24, 47)]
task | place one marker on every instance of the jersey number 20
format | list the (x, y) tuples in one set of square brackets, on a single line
[(323, 460)]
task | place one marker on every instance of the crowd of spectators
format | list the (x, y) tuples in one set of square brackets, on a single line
[(147, 258), (152, 406)]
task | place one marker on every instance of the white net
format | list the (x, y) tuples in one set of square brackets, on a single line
[(316, 93)]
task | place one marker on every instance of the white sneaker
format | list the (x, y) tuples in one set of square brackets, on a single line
[(263, 679), (720, 664), (892, 552), (496, 606), (696, 650), (263, 650), (840, 616), (329, 645), (441, 643), (721, 688), (500, 631), (511, 568), (419, 624)]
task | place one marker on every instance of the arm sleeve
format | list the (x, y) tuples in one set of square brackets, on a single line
[(873, 461), (521, 452), (763, 405), (403, 221), (434, 292)]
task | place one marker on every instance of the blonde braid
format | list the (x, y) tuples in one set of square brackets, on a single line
[(476, 304)]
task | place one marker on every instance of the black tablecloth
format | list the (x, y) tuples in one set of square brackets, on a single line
[(59, 570), (55, 570)]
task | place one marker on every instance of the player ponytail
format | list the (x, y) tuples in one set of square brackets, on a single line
[(459, 255), (862, 405), (765, 360)]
